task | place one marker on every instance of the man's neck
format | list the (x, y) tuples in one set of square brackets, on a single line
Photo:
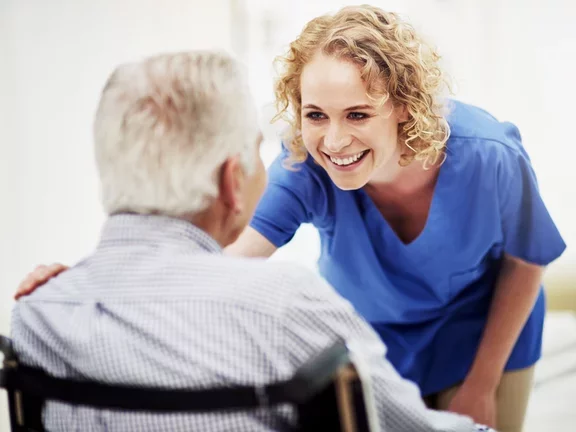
[(211, 222)]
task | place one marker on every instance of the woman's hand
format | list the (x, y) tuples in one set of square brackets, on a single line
[(477, 402), (38, 277)]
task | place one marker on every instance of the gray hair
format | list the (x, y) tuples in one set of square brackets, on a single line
[(165, 125)]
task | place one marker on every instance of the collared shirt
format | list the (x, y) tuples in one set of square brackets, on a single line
[(158, 304)]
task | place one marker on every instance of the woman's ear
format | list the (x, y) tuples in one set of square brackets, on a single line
[(402, 113)]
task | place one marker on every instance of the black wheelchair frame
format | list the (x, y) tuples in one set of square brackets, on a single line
[(326, 392)]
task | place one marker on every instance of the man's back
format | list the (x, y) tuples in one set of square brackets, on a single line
[(158, 304)]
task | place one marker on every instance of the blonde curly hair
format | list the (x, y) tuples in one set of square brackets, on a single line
[(395, 64)]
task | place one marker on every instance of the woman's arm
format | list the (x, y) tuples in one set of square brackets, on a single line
[(515, 294), (531, 241), (251, 244), (517, 288)]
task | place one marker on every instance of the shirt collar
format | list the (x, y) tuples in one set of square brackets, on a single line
[(123, 228)]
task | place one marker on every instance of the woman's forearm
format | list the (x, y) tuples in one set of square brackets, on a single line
[(251, 244), (516, 291)]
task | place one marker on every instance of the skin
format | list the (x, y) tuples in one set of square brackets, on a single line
[(338, 120)]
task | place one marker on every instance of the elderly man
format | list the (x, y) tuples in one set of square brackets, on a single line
[(157, 303)]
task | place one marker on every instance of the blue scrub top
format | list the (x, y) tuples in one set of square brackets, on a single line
[(428, 299)]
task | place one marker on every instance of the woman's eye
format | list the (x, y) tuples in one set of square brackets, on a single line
[(357, 116), (315, 116)]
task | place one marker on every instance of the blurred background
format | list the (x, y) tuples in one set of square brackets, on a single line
[(515, 58)]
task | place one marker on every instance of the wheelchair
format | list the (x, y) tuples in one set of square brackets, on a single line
[(326, 392)]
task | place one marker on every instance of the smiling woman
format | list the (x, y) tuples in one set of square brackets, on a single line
[(447, 269), (341, 128)]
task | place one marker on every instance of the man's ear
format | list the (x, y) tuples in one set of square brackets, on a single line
[(232, 184)]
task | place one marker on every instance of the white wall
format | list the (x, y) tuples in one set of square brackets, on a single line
[(535, 61)]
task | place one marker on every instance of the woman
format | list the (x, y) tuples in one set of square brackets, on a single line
[(431, 225), (429, 214)]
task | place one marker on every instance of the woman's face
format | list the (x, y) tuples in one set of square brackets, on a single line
[(341, 128)]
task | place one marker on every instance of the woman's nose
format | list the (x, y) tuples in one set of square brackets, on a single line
[(336, 140)]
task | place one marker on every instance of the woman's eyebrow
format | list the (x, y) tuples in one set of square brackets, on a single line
[(359, 107), (352, 108)]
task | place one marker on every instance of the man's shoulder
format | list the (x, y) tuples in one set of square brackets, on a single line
[(283, 283), (183, 283), (287, 274)]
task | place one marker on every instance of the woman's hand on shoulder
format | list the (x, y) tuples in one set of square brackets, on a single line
[(38, 277)]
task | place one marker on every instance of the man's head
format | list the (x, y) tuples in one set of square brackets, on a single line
[(178, 135)]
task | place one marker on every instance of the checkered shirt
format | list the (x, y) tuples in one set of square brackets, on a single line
[(158, 304)]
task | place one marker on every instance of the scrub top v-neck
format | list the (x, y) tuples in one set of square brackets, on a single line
[(428, 299)]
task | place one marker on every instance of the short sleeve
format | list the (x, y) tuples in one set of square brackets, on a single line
[(293, 196), (528, 229)]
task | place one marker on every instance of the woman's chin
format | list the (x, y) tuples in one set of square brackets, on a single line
[(349, 183), (348, 180)]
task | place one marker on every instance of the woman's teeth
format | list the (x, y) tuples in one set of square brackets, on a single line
[(346, 161)]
